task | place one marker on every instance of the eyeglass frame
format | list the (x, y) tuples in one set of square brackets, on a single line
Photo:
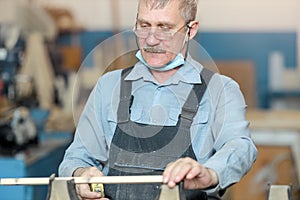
[(171, 36)]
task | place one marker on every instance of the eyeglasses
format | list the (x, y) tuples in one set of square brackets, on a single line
[(159, 33)]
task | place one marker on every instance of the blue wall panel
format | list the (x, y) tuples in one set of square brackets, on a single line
[(10, 167), (251, 46)]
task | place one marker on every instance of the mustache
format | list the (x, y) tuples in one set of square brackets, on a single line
[(154, 50)]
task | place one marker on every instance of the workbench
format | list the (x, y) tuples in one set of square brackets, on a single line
[(275, 128), (276, 134), (36, 161)]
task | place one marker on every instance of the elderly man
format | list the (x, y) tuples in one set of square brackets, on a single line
[(166, 115)]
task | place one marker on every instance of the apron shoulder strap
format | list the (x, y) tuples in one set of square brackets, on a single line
[(191, 105), (125, 97)]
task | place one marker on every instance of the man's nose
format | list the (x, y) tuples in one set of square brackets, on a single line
[(151, 40)]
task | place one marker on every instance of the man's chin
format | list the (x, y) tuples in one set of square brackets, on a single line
[(156, 64), (156, 61)]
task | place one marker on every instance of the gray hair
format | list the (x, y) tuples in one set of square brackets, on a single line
[(188, 8)]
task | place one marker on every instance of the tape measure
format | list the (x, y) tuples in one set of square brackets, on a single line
[(98, 187)]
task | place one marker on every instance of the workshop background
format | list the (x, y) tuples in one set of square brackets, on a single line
[(49, 61)]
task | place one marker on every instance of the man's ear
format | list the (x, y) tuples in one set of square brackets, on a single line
[(193, 26)]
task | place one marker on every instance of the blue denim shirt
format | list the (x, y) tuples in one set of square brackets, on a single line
[(220, 133)]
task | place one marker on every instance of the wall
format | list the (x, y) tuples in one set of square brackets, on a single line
[(214, 15), (229, 29), (255, 15)]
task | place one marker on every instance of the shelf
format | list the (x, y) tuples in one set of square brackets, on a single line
[(284, 93)]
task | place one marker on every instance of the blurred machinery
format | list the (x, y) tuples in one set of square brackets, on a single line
[(33, 79), (17, 129), (26, 76), (12, 47)]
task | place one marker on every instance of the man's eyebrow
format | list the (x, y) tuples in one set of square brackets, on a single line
[(142, 21)]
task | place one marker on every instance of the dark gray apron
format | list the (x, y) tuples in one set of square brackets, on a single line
[(143, 149)]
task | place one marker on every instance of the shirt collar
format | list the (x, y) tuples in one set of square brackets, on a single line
[(188, 73)]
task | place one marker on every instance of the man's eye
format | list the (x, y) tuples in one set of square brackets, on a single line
[(144, 26)]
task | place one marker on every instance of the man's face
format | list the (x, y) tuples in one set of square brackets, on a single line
[(158, 51)]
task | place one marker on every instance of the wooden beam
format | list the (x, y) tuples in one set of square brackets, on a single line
[(115, 15), (82, 180)]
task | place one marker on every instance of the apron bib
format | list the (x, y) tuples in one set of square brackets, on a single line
[(144, 149)]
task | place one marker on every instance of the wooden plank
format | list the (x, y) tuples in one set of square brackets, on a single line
[(274, 119), (281, 192), (167, 193), (82, 180), (243, 72)]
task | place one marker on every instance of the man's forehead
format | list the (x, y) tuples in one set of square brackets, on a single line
[(167, 15)]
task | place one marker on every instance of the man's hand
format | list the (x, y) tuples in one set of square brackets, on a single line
[(195, 175), (83, 190)]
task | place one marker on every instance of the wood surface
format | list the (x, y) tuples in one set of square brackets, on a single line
[(82, 180), (274, 119)]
